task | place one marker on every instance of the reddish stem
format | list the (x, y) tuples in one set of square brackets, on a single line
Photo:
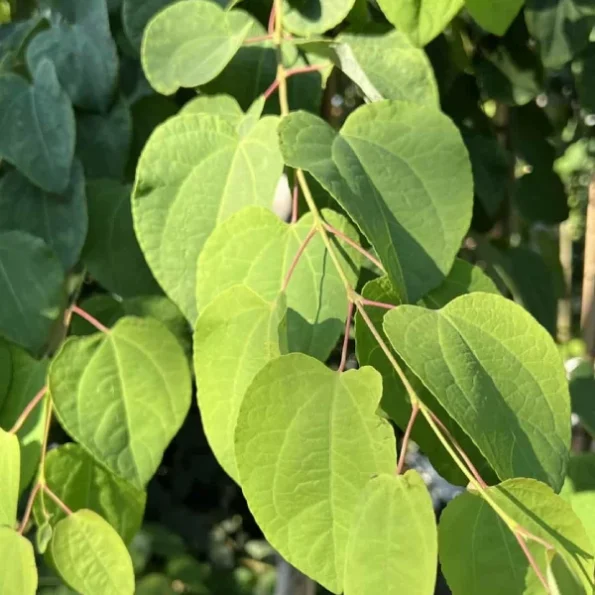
[(90, 319), (294, 201), (405, 443), (272, 19), (353, 244), (346, 337), (258, 39), (272, 88), (532, 562), (297, 257), (57, 500), (384, 305), (299, 70), (27, 411), (29, 507)]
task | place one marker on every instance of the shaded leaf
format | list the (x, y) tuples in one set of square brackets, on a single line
[(137, 373), (582, 392), (494, 16), (540, 196), (393, 543), (395, 154), (304, 494), (18, 573), (499, 376), (10, 467), (308, 17), (136, 14)]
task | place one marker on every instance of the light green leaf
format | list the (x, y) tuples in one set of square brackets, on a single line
[(389, 168), (255, 248), (225, 106), (190, 42), (393, 543), (308, 17), (479, 554), (111, 253), (90, 556), (387, 66), (561, 579), (18, 573), (562, 28), (58, 219), (235, 336), (421, 20), (80, 482), (498, 374), (26, 377), (308, 440), (31, 283), (83, 53), (136, 14), (123, 395), (38, 130), (4, 12), (43, 536), (10, 468), (463, 278), (494, 16), (103, 141), (196, 171)]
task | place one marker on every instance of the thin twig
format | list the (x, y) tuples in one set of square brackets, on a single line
[(90, 319), (294, 201), (272, 88), (258, 39), (407, 435), (346, 337), (272, 19), (297, 257), (57, 500), (353, 244), (29, 507), (283, 75), (532, 562), (386, 306), (27, 411)]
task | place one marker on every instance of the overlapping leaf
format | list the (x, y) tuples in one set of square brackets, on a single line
[(255, 248), (90, 556), (196, 171), (307, 442), (493, 563), (80, 482), (18, 573), (494, 16), (123, 395), (59, 219), (190, 42), (393, 543), (498, 374), (308, 17), (136, 14), (10, 466), (402, 173)]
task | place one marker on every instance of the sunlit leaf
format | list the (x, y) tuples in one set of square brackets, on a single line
[(18, 573), (10, 467), (494, 16)]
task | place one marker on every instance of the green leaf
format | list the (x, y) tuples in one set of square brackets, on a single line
[(393, 543), (389, 156), (10, 467), (421, 20), (103, 141), (387, 66), (579, 490), (31, 283), (583, 69), (58, 219), (475, 545), (562, 28), (178, 201), (90, 556), (235, 336), (190, 42), (561, 579), (43, 536), (109, 310), (136, 14), (155, 584), (498, 374), (308, 17), (307, 442), (25, 378), (123, 395), (38, 130), (80, 482), (255, 248), (463, 278), (83, 53), (111, 253), (494, 16), (541, 197), (582, 392), (18, 573)]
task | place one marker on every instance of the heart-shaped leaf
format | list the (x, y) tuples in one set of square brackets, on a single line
[(402, 173), (38, 130), (190, 42), (196, 171), (63, 226), (498, 374), (393, 542), (10, 468), (308, 440), (255, 248), (123, 395), (90, 556), (18, 572)]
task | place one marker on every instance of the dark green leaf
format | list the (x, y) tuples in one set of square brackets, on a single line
[(135, 16)]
